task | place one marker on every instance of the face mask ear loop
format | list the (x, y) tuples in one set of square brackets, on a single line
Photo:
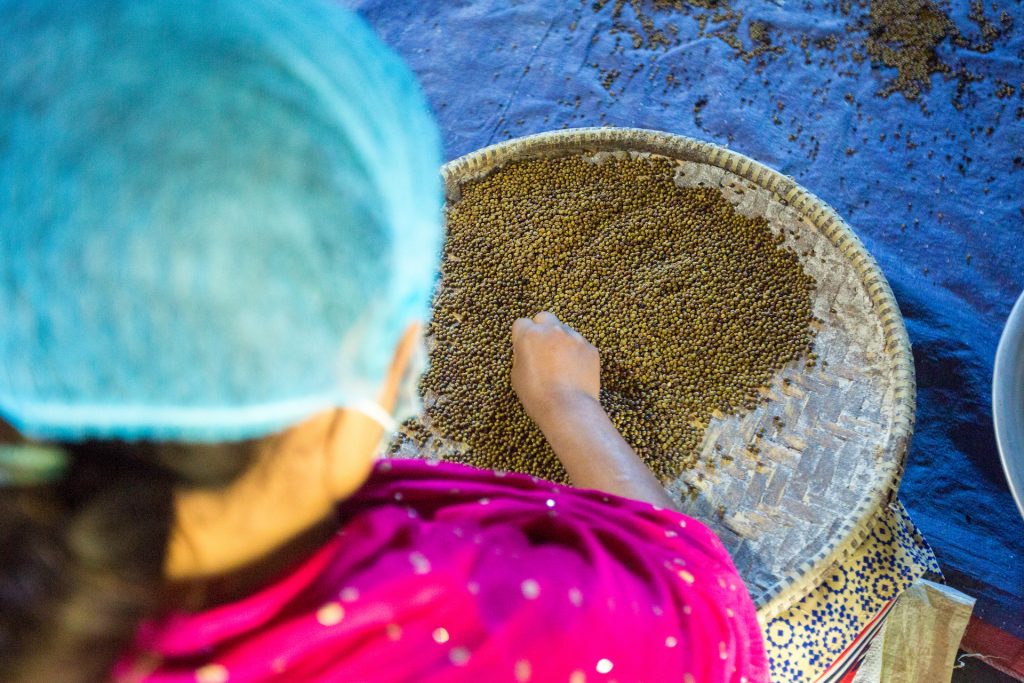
[(375, 412), (407, 403)]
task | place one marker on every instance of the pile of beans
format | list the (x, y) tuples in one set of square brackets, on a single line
[(692, 306)]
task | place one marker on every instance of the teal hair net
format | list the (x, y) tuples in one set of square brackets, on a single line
[(216, 216)]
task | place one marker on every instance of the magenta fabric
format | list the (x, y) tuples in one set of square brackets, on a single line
[(441, 572)]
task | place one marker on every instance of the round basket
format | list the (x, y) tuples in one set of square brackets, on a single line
[(832, 439)]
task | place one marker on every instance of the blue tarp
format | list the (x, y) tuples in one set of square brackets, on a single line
[(937, 200)]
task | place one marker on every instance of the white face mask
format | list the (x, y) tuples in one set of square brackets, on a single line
[(408, 403)]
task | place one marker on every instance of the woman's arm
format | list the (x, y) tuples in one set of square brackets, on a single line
[(557, 375)]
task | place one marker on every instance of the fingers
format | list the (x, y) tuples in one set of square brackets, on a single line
[(542, 319), (520, 326), (546, 318), (572, 331)]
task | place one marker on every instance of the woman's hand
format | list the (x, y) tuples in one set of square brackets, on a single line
[(557, 375), (553, 367)]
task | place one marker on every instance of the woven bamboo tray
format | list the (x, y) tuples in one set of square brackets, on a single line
[(807, 499)]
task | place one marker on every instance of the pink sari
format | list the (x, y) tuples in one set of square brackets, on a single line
[(441, 572)]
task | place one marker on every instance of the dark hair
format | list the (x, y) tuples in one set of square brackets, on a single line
[(81, 560)]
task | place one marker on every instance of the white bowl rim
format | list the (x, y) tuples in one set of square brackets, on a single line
[(1009, 426)]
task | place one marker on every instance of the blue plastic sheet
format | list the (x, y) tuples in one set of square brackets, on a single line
[(937, 200)]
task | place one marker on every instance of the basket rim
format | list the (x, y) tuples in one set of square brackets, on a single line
[(890, 458)]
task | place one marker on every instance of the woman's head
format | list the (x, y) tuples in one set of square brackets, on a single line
[(220, 216)]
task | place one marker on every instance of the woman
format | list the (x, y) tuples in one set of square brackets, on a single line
[(220, 231)]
